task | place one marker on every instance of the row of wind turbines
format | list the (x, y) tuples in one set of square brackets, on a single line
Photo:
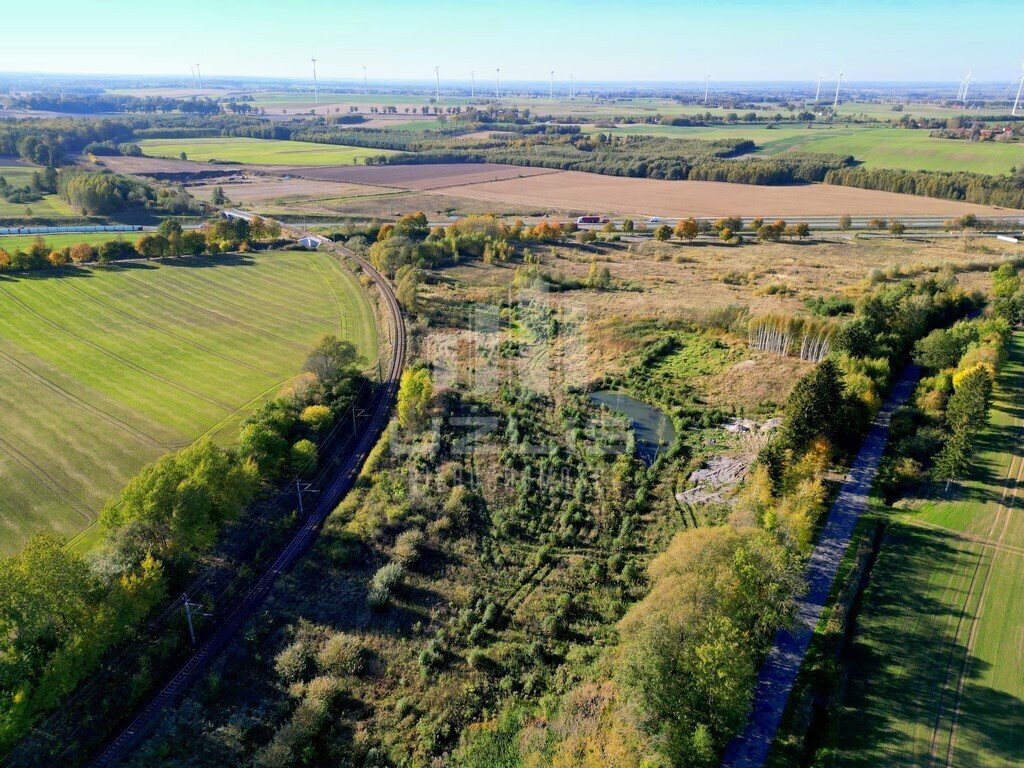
[(961, 95), (472, 80)]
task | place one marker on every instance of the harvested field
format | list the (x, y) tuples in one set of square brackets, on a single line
[(163, 167), (385, 203), (259, 189), (420, 177), (569, 192)]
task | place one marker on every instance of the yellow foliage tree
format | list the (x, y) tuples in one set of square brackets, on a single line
[(414, 395)]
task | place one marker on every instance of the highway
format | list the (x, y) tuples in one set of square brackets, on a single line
[(373, 426)]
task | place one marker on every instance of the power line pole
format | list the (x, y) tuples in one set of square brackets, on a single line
[(188, 616), (301, 488)]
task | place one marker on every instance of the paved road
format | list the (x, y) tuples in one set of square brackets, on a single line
[(779, 672)]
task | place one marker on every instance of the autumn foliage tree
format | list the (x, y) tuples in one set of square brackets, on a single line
[(686, 229)]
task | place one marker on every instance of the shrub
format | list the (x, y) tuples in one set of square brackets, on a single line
[(342, 655), (384, 583), (294, 663), (407, 547)]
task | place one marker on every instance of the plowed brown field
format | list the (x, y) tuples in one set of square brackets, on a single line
[(572, 191)]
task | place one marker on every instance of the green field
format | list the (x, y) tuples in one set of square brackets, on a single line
[(18, 175), (12, 243), (103, 370), (875, 147), (937, 670), (260, 151), (884, 110)]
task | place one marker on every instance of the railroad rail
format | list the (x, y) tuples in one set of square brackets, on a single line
[(380, 410)]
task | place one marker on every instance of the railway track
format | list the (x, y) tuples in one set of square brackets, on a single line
[(380, 410)]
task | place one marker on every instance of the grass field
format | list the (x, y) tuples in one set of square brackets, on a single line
[(103, 370), (259, 151), (937, 675), (875, 147), (12, 243), (20, 174)]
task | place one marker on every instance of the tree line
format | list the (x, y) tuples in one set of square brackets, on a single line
[(169, 241), (1005, 191), (934, 436), (88, 104)]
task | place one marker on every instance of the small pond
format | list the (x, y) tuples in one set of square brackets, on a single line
[(653, 428)]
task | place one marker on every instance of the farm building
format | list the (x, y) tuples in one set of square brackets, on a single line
[(312, 241)]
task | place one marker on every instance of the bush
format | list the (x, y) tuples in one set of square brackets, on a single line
[(407, 547), (384, 583), (342, 655), (295, 662)]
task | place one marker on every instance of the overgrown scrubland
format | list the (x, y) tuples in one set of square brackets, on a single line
[(509, 584)]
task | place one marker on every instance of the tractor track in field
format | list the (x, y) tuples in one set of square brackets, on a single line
[(1002, 516), (211, 312), (160, 329), (225, 298), (114, 356), (47, 480), (986, 543), (334, 293), (81, 402)]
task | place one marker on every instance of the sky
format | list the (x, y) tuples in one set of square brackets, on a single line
[(597, 40)]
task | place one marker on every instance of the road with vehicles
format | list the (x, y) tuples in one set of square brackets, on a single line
[(779, 672), (331, 494)]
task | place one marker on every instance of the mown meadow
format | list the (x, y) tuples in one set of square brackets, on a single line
[(107, 368)]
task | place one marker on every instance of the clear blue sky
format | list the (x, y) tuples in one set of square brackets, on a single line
[(598, 40)]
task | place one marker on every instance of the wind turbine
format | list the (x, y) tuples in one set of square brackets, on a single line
[(967, 85), (707, 84), (961, 94), (192, 69), (364, 79), (472, 84), (199, 74), (316, 91), (437, 82), (817, 93), (572, 87), (497, 83), (1020, 84), (551, 86), (839, 81)]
